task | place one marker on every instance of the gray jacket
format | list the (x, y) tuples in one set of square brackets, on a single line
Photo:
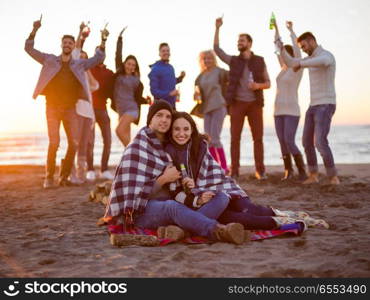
[(51, 65)]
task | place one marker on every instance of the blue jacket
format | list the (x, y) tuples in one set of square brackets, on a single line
[(163, 81), (51, 65)]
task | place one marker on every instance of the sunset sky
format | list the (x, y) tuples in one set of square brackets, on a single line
[(341, 27)]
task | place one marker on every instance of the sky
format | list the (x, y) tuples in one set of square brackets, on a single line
[(341, 27)]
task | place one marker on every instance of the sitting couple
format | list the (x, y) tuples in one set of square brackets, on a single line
[(204, 201)]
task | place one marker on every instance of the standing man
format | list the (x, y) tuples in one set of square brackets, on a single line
[(162, 77), (62, 81), (105, 77), (321, 65), (247, 79)]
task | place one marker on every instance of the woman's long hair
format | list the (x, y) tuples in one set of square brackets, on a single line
[(122, 70), (196, 137)]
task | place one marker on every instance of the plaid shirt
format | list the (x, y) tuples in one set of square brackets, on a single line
[(142, 162)]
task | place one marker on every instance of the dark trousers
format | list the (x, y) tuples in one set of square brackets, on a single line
[(56, 116), (252, 216), (238, 111), (103, 120)]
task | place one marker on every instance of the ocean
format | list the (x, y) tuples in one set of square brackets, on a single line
[(350, 144)]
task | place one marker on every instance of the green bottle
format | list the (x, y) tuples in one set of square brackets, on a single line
[(272, 21), (184, 174)]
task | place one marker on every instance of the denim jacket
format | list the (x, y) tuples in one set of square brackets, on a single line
[(51, 65)]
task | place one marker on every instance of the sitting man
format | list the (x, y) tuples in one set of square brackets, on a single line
[(137, 191)]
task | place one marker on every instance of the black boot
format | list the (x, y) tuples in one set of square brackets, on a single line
[(300, 166), (63, 175), (288, 174)]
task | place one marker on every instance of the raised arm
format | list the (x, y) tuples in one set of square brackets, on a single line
[(216, 43), (29, 46), (296, 50), (99, 56), (118, 57), (277, 40)]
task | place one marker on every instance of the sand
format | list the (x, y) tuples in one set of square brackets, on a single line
[(53, 233)]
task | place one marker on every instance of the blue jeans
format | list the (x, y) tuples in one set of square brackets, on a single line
[(252, 216), (286, 128), (103, 120), (315, 134), (56, 116), (216, 206), (168, 212)]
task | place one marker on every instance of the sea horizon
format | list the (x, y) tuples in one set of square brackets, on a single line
[(349, 143)]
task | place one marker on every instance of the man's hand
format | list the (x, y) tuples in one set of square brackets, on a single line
[(37, 25), (188, 182), (253, 86), (205, 197), (174, 93), (104, 34), (219, 23), (289, 25), (82, 26), (182, 74)]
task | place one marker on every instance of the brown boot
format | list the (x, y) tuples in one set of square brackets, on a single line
[(231, 233), (171, 232)]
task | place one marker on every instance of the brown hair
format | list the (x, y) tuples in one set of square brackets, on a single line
[(161, 45), (68, 36), (306, 36), (289, 49), (247, 36)]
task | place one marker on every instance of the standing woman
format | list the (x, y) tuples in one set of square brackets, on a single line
[(287, 110), (128, 91), (210, 87)]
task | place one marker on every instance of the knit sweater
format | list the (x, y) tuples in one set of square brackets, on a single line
[(321, 66)]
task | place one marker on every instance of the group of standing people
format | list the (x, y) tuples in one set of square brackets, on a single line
[(240, 93), (77, 89)]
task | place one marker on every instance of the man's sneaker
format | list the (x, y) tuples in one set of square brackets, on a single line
[(90, 176), (107, 175), (261, 176), (48, 183), (231, 233), (171, 232)]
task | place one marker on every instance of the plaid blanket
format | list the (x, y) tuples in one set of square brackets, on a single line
[(211, 177), (142, 162)]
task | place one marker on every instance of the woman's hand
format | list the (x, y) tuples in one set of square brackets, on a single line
[(205, 197), (188, 182)]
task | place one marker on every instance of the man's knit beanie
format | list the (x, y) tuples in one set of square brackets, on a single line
[(157, 106)]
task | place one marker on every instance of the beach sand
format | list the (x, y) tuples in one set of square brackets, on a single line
[(53, 233)]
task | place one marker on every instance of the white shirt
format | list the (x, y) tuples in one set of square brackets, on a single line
[(287, 83)]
